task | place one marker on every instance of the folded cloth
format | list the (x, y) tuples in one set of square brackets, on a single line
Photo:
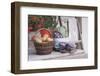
[(64, 47)]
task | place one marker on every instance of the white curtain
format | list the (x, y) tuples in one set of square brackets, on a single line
[(73, 30)]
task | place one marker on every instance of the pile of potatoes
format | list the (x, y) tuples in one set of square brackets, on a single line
[(42, 38), (45, 38)]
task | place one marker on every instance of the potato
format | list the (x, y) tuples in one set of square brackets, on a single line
[(45, 37), (38, 40), (50, 39)]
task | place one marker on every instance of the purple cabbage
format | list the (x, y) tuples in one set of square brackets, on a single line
[(57, 34)]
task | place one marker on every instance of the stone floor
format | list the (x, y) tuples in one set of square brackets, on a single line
[(57, 55)]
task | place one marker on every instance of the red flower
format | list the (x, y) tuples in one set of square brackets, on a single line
[(34, 18), (42, 20), (39, 25), (30, 29)]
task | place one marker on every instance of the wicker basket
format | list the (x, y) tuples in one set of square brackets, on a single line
[(44, 48)]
